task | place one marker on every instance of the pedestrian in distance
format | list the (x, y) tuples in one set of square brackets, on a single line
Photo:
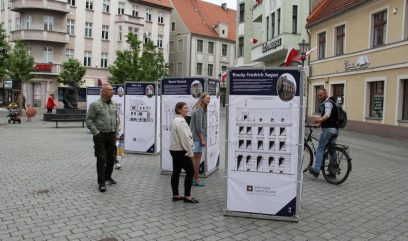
[(181, 150), (198, 126), (330, 131), (30, 112), (23, 99), (101, 121), (50, 103)]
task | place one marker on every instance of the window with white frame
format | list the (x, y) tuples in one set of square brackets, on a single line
[(317, 105), (88, 30), (148, 14), (70, 26), (180, 45), (71, 2), (322, 45), (121, 8), (380, 28), (87, 58), (199, 70), (2, 4), (241, 12), (104, 60), (69, 54), (179, 68), (240, 46), (404, 99), (28, 22), (135, 13), (210, 70), (147, 37), (105, 6), (160, 41), (340, 36), (120, 33), (200, 44), (223, 68), (89, 4), (294, 18), (171, 69), (48, 55), (376, 99), (273, 25), (9, 26), (210, 47), (224, 50), (338, 93), (173, 26), (160, 19), (18, 23), (105, 32), (267, 28), (29, 50), (48, 23), (279, 20)]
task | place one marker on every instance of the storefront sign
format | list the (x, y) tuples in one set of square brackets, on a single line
[(362, 63), (8, 84), (271, 45)]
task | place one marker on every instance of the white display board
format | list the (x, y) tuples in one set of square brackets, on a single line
[(141, 122), (264, 139), (188, 90)]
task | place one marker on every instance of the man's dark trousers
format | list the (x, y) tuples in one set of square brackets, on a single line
[(104, 144)]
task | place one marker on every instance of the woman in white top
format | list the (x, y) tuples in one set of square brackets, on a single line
[(181, 150)]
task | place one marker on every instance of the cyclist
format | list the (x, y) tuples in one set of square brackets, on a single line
[(327, 121)]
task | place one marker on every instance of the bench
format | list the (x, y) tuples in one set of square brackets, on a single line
[(69, 120)]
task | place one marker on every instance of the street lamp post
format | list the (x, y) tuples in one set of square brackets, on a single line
[(303, 47)]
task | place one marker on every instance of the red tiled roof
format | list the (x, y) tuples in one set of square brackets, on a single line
[(200, 17), (158, 3), (329, 8)]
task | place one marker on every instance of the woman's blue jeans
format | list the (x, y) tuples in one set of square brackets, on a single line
[(327, 138)]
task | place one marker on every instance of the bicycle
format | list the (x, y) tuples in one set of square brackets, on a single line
[(343, 159)]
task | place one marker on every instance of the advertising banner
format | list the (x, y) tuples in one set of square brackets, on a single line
[(264, 134), (92, 94), (140, 117), (212, 157), (175, 90)]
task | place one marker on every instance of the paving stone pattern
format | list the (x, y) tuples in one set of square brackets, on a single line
[(49, 192)]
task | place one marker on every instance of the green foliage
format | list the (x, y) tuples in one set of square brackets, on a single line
[(20, 63), (4, 52), (72, 73), (130, 65)]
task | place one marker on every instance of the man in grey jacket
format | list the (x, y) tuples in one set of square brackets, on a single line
[(101, 122)]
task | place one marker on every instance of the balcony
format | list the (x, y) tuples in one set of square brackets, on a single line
[(124, 18), (46, 69), (25, 5), (275, 48), (40, 35), (257, 11)]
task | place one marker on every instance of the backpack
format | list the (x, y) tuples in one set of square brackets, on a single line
[(341, 115)]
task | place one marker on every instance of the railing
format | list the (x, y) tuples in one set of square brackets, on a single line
[(40, 4), (120, 18), (40, 35), (47, 68)]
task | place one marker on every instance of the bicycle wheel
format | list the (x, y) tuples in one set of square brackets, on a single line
[(342, 168), (307, 157)]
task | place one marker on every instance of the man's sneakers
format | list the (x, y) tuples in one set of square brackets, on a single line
[(110, 181), (102, 188), (117, 166), (312, 171)]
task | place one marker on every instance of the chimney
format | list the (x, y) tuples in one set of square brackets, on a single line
[(224, 6)]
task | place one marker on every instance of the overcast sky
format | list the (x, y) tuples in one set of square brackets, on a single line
[(230, 3)]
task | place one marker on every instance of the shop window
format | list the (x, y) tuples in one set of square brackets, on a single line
[(317, 105), (376, 99), (405, 100), (338, 93)]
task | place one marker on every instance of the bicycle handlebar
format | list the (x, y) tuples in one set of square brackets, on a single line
[(311, 126)]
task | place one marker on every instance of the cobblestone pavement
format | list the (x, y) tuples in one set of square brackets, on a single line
[(49, 192)]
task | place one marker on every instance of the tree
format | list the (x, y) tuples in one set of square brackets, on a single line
[(71, 75), (130, 66), (4, 52), (19, 64)]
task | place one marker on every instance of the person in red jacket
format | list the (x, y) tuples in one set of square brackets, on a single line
[(50, 103)]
